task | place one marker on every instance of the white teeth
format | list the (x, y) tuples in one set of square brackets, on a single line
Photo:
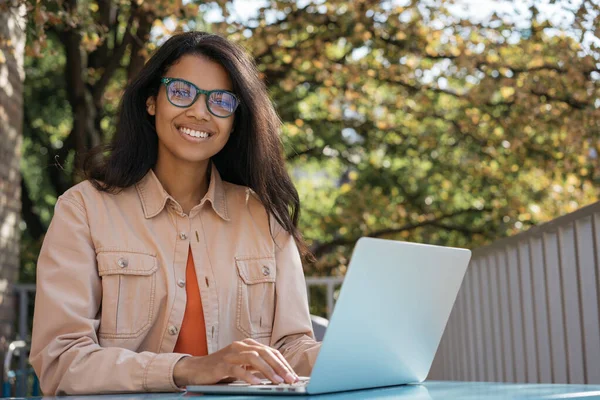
[(193, 133)]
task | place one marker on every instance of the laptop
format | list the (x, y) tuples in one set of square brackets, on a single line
[(387, 324)]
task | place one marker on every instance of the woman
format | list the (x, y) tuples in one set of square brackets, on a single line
[(176, 262)]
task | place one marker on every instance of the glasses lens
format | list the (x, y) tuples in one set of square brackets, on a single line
[(222, 103), (181, 93)]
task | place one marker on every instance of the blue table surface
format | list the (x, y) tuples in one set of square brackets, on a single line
[(430, 390)]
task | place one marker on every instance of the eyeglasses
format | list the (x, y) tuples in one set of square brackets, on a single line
[(181, 93)]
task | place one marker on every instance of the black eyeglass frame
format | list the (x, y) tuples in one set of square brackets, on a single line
[(166, 81)]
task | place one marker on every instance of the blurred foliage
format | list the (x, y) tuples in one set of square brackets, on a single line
[(402, 119)]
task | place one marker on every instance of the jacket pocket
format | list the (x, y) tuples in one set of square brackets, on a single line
[(128, 293), (256, 296)]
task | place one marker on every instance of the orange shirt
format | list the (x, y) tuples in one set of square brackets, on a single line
[(192, 335)]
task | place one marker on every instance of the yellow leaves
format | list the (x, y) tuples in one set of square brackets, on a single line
[(473, 114), (271, 40), (345, 188), (412, 62), (93, 7), (287, 58), (90, 41), (291, 130), (299, 123), (535, 62), (287, 84), (492, 58), (400, 35), (507, 91)]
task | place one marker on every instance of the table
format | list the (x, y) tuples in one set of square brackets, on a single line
[(430, 390)]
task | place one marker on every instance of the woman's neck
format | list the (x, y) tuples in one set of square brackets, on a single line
[(186, 182)]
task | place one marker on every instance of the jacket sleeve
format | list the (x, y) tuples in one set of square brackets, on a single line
[(65, 352), (292, 328)]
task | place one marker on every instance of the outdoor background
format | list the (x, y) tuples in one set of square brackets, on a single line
[(442, 122)]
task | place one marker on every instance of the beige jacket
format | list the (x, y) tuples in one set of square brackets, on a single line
[(111, 285)]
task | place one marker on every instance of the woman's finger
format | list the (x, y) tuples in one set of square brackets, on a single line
[(283, 360), (239, 372), (278, 356), (276, 362), (255, 360)]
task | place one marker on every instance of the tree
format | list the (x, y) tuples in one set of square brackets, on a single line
[(400, 121)]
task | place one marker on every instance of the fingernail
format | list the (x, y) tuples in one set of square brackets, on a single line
[(290, 377), (255, 380), (278, 379)]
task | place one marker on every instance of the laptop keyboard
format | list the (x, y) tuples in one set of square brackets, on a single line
[(265, 382)]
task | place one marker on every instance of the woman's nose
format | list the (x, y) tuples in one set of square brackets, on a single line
[(199, 110)]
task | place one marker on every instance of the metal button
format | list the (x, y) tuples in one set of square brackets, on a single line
[(266, 270), (122, 262), (183, 236), (181, 283), (172, 330)]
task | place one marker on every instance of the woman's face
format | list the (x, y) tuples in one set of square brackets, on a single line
[(178, 128)]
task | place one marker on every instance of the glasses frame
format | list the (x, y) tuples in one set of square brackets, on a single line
[(166, 81)]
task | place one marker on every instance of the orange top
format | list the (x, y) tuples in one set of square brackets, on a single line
[(192, 335)]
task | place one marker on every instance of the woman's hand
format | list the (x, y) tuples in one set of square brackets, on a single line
[(238, 361)]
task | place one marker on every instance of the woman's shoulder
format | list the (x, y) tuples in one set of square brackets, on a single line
[(86, 192), (242, 197), (245, 199)]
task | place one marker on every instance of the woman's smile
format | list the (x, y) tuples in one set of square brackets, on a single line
[(194, 134)]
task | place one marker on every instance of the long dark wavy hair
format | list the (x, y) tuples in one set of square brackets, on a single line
[(253, 155)]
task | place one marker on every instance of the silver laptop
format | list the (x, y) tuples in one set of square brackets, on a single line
[(388, 320)]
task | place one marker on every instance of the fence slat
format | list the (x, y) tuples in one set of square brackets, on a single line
[(570, 285), (506, 321), (480, 350), (528, 315), (541, 311), (471, 324), (589, 280), (514, 291), (555, 308), (496, 319), (488, 331), (463, 335)]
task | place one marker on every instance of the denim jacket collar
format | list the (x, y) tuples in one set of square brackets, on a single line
[(154, 197)]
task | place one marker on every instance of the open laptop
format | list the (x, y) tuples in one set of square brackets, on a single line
[(388, 320)]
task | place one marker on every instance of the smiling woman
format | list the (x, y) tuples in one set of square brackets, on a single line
[(163, 268)]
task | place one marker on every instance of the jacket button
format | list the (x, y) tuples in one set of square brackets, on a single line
[(182, 236), (181, 283), (122, 262), (266, 270), (173, 330)]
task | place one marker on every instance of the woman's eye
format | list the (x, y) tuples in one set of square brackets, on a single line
[(181, 93)]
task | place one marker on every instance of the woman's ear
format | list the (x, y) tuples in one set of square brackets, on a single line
[(151, 105)]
